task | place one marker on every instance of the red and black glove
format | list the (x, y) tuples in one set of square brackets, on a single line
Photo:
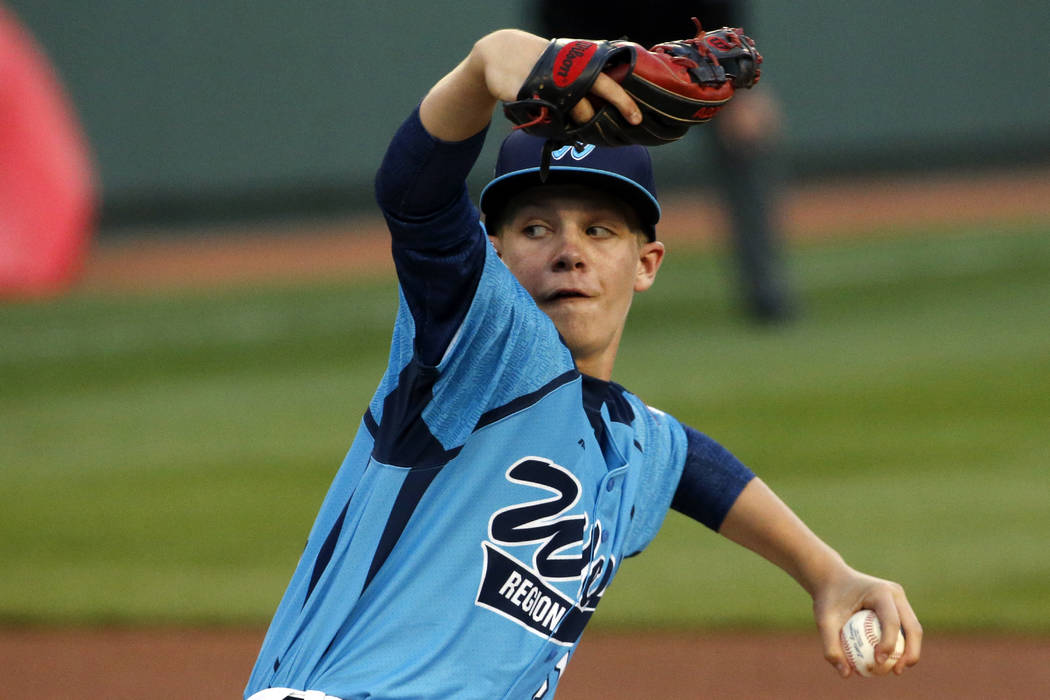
[(676, 85)]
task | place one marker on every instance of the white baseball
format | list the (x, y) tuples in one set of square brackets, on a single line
[(861, 633)]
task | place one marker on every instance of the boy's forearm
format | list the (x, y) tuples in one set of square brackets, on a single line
[(460, 104), (763, 523)]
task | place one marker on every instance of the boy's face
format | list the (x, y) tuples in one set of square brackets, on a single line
[(581, 254)]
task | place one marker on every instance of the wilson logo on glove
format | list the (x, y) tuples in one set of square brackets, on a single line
[(571, 61)]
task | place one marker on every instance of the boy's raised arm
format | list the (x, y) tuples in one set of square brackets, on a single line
[(461, 103)]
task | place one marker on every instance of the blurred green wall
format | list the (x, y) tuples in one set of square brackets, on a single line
[(270, 106)]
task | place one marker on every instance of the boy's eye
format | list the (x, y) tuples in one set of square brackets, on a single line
[(534, 230), (599, 232)]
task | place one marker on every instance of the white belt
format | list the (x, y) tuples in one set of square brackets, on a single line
[(282, 693)]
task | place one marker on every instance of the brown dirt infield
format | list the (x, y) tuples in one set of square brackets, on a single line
[(132, 663), (213, 664)]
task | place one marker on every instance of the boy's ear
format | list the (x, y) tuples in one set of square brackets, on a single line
[(650, 256)]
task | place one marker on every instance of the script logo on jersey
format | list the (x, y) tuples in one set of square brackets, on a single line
[(528, 594)]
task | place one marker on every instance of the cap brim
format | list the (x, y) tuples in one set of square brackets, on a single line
[(500, 190)]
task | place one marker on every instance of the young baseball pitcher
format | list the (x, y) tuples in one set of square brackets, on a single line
[(499, 478)]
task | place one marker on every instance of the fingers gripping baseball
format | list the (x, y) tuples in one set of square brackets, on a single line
[(911, 628), (896, 618), (834, 605)]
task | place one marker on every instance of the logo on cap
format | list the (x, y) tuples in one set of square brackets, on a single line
[(577, 154)]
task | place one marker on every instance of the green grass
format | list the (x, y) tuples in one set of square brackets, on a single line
[(162, 457)]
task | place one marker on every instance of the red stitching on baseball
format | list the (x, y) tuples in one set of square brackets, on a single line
[(848, 648), (870, 633)]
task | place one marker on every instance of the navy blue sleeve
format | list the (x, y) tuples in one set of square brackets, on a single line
[(437, 240), (712, 478)]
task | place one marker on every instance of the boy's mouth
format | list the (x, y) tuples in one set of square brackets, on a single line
[(560, 294)]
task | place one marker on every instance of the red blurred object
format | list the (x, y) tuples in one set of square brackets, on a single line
[(47, 182)]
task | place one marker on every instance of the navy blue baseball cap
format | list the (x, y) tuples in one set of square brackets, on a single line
[(626, 172)]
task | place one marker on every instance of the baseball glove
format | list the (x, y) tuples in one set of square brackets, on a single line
[(676, 84)]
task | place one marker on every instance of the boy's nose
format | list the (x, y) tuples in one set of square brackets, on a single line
[(569, 254)]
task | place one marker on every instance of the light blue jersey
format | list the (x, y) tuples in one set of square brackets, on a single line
[(473, 574), (488, 498)]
